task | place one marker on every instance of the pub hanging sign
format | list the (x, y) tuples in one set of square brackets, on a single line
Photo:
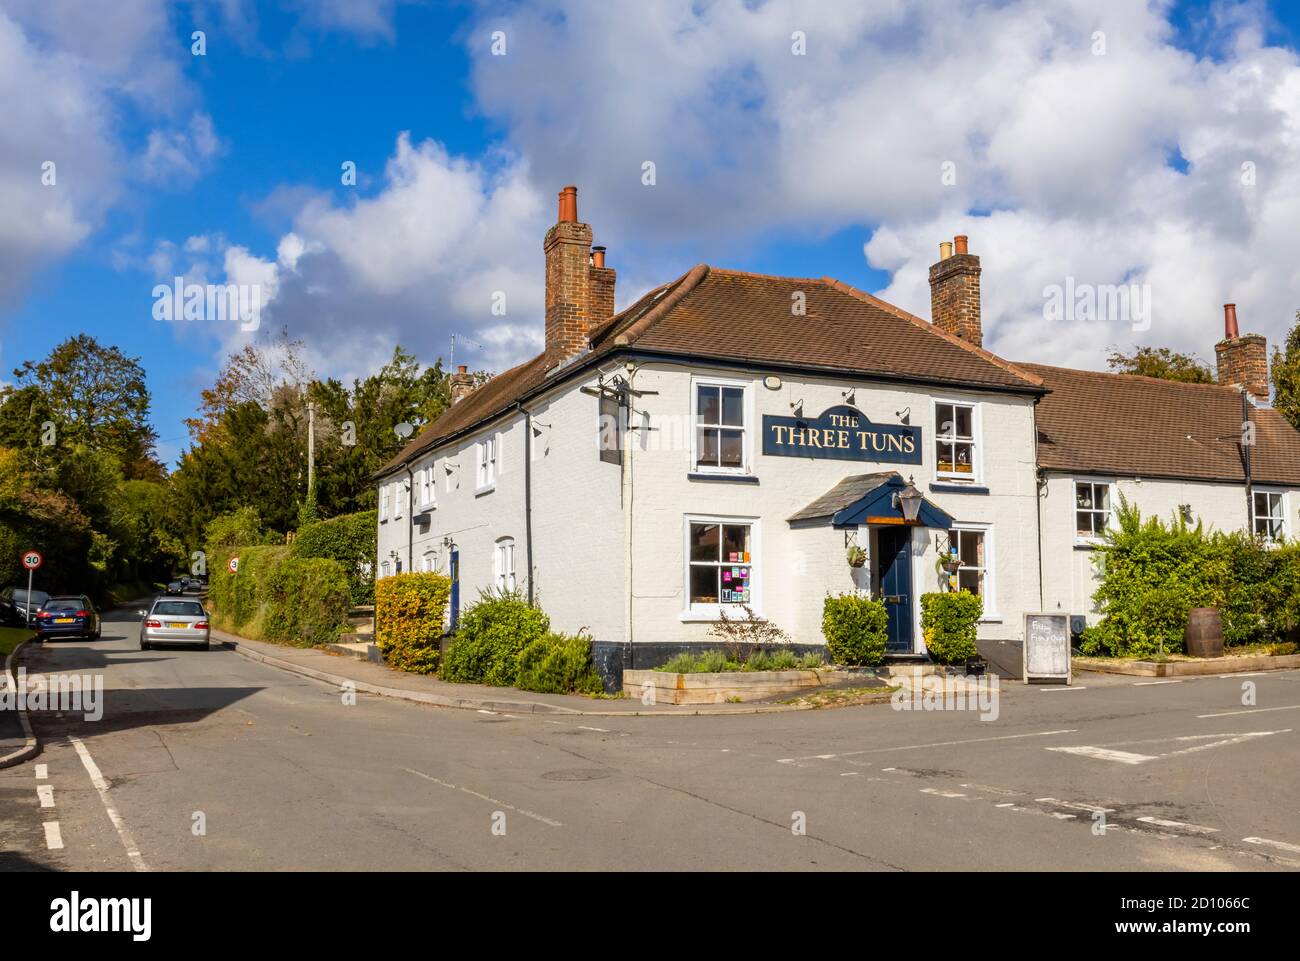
[(841, 433)]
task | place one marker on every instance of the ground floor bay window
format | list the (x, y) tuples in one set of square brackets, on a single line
[(720, 565)]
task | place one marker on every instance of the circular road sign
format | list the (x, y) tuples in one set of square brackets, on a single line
[(32, 560), (234, 565)]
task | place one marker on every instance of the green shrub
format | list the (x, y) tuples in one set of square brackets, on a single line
[(1283, 649), (856, 629), (409, 612), (349, 539), (949, 623), (305, 601), (558, 664), (490, 636), (811, 661), (236, 599)]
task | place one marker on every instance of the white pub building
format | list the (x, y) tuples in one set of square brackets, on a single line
[(724, 441)]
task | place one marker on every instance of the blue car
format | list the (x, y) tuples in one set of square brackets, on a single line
[(70, 615)]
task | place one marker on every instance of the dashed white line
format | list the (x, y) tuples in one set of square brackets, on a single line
[(1255, 710), (913, 747), (1179, 825), (53, 836), (1293, 848), (42, 772), (1077, 805), (1254, 674), (1103, 754), (1153, 683), (1064, 687), (939, 793), (484, 797), (583, 727), (101, 785), (46, 793)]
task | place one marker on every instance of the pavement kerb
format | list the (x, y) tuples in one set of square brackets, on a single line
[(33, 745), (485, 704)]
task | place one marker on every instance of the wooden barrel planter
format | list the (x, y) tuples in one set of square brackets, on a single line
[(1204, 634)]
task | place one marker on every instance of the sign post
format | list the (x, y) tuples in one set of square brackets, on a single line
[(31, 561), (1047, 648)]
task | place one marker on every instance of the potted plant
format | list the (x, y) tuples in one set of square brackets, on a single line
[(857, 556)]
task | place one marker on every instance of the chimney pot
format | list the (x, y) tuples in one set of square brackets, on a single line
[(1230, 329), (945, 250), (569, 205), (960, 243), (462, 384), (462, 369), (598, 256)]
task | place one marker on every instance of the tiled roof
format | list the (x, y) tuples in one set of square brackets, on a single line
[(1144, 427), (748, 318), (848, 491)]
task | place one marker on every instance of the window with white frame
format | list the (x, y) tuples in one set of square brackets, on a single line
[(721, 441), (1091, 509), (1268, 515), (954, 438), (384, 569), (383, 502), (487, 462), (970, 547), (426, 487), (505, 564), (720, 563), (429, 562), (399, 496)]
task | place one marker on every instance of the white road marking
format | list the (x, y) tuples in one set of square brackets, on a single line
[(1153, 683), (1102, 754), (1062, 816), (600, 729), (1256, 710), (46, 793), (1064, 687), (53, 836), (1179, 825), (42, 772), (1255, 674), (1005, 792), (914, 747), (1229, 740), (484, 797), (1293, 848), (482, 710), (101, 785), (1006, 804), (936, 791), (850, 774), (1074, 804)]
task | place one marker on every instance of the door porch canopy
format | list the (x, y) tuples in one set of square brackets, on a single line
[(869, 499)]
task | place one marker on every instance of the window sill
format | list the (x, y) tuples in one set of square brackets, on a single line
[(714, 616), (426, 507), (952, 487), (734, 478), (485, 490), (1087, 545)]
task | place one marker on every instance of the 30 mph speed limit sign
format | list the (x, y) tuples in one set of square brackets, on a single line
[(32, 560), (234, 565)]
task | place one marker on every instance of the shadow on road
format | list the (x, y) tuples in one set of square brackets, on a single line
[(141, 707)]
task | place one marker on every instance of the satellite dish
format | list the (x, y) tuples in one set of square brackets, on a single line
[(403, 430)]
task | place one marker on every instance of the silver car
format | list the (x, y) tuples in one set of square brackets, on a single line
[(174, 622)]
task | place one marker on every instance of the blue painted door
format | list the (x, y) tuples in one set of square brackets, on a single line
[(454, 570), (894, 548)]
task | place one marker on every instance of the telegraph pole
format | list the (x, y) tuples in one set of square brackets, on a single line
[(311, 447)]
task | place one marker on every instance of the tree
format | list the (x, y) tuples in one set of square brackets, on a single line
[(1160, 362), (1286, 376)]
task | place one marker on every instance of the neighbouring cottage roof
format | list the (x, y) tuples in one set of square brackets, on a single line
[(1136, 426), (738, 317)]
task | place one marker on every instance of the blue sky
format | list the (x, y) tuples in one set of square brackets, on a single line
[(798, 165)]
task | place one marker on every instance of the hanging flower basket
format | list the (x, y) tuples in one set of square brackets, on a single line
[(856, 556), (952, 565)]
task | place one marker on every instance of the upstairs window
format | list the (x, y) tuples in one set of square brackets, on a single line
[(383, 502), (720, 428), (1091, 509), (487, 462), (1269, 516), (400, 490), (954, 432), (426, 487)]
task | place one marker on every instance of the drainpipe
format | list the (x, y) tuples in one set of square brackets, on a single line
[(528, 494), (410, 517), (1245, 448)]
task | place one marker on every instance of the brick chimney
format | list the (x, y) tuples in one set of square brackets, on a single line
[(602, 287), (1243, 360), (462, 384), (569, 276), (955, 291)]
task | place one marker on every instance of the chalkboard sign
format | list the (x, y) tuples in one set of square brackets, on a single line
[(1047, 647)]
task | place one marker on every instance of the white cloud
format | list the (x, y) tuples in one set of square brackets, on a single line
[(180, 154)]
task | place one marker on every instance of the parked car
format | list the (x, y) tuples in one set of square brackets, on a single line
[(175, 587), (68, 615), (15, 608), (169, 622)]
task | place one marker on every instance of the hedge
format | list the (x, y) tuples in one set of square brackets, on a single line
[(558, 664), (409, 611), (277, 597), (350, 539), (490, 636), (949, 623), (856, 629)]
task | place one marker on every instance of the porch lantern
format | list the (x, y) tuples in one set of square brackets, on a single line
[(909, 501)]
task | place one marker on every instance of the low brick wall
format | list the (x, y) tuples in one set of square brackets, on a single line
[(719, 688)]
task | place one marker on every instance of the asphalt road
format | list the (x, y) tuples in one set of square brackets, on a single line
[(280, 773)]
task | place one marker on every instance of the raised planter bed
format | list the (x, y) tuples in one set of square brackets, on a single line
[(721, 687), (1188, 667)]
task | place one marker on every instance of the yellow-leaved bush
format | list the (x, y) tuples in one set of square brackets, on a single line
[(409, 614)]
